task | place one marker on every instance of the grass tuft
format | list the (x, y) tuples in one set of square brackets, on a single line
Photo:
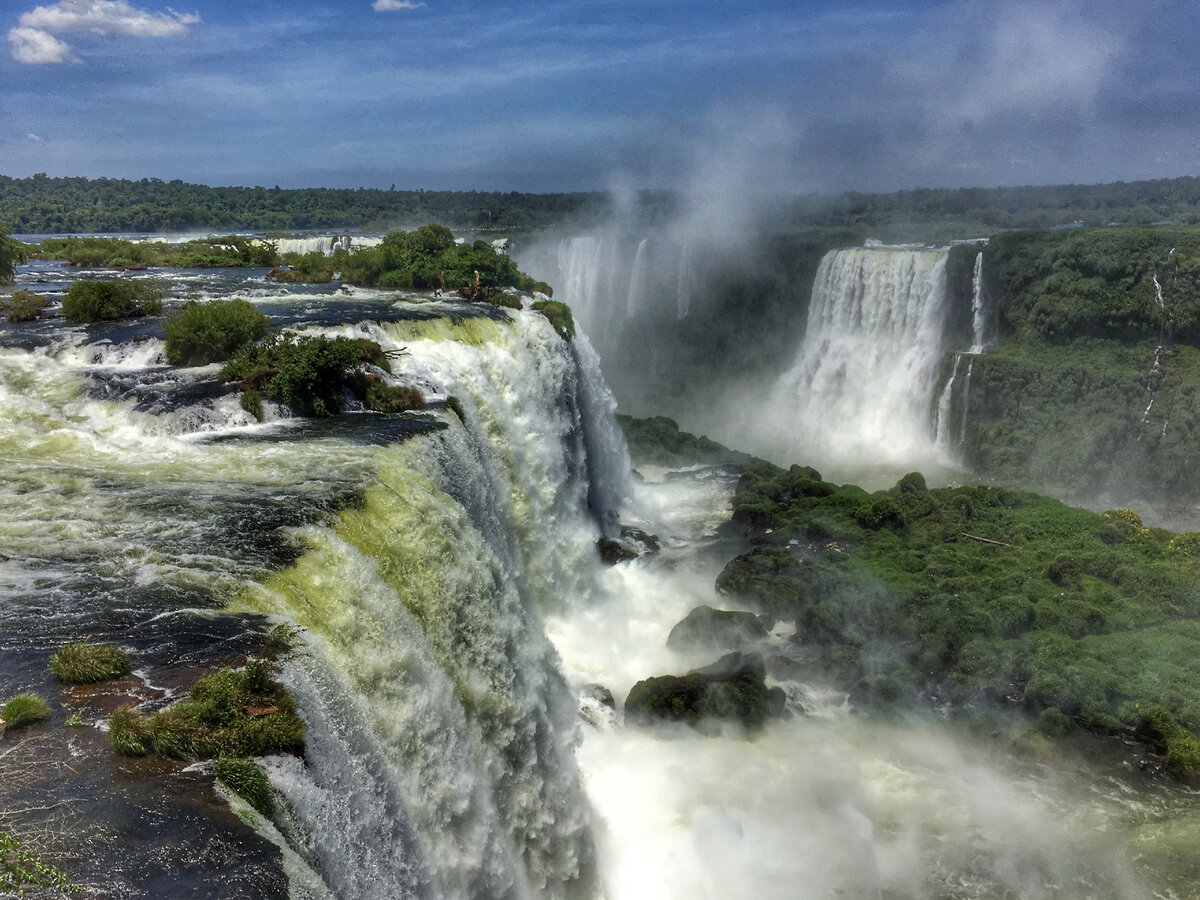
[(24, 709), (86, 663), (232, 712), (248, 781)]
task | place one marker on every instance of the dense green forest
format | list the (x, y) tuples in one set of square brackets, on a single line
[(1092, 392), (45, 205)]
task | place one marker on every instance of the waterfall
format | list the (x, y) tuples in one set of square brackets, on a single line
[(685, 285), (859, 391), (637, 280), (439, 696), (945, 402), (982, 326), (587, 267), (327, 244), (966, 399)]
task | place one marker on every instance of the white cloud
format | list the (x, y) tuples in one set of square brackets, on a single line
[(34, 47), (34, 41), (106, 17), (36, 138), (385, 5)]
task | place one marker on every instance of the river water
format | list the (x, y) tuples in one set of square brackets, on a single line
[(453, 610)]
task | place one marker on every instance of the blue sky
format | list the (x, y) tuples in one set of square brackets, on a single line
[(771, 96)]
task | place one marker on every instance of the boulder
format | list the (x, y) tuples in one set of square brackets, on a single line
[(613, 552), (733, 689), (721, 629)]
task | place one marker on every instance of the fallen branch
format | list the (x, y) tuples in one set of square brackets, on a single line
[(984, 540)]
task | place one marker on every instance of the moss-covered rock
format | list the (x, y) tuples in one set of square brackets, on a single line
[(733, 689), (717, 629)]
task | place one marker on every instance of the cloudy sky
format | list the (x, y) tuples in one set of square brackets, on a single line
[(785, 95)]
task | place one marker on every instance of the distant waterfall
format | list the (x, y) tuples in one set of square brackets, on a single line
[(955, 395), (861, 385), (982, 325), (637, 281), (327, 244), (686, 283)]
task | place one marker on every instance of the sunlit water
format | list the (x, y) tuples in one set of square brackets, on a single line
[(454, 607)]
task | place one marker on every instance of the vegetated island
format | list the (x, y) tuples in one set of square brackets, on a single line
[(311, 375), (961, 598)]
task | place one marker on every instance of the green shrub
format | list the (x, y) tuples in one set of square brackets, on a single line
[(879, 514), (98, 301), (86, 663), (382, 398), (248, 781), (306, 373), (281, 641), (455, 406), (559, 315), (24, 709), (228, 713), (23, 306), (203, 333), (21, 869), (251, 402), (1164, 735)]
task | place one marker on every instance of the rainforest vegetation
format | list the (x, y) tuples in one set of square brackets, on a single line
[(1091, 392), (44, 205)]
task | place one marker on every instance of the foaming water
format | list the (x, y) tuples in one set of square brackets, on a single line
[(859, 391), (831, 803), (445, 574)]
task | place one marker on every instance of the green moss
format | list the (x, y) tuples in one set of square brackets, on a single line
[(1158, 728), (248, 781), (559, 315), (388, 399), (23, 710), (230, 712), (86, 663), (455, 406), (251, 401), (658, 441)]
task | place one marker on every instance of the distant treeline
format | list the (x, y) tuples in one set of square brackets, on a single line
[(44, 205), (943, 214)]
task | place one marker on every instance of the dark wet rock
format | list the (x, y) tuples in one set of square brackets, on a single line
[(722, 629), (733, 689), (643, 540), (597, 706), (613, 551)]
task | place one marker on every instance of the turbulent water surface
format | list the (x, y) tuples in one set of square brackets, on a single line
[(453, 610)]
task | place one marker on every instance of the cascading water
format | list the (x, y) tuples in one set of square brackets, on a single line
[(444, 573), (982, 318), (858, 394), (637, 280), (326, 244)]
